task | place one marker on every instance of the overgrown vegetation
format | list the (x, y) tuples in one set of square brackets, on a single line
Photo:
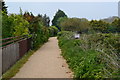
[(26, 23), (14, 25), (91, 56), (53, 31), (95, 55), (38, 28), (75, 24)]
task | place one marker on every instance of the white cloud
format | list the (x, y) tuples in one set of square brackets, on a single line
[(61, 0)]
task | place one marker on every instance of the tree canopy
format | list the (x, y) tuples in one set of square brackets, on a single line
[(75, 24), (99, 26), (4, 7), (116, 25), (58, 15)]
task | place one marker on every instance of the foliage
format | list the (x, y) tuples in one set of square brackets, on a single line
[(14, 25), (116, 25), (110, 19), (104, 27), (85, 55), (60, 20), (20, 26), (53, 31), (40, 36), (99, 26), (38, 28), (75, 24), (28, 16), (26, 24), (6, 26), (21, 12), (45, 19), (58, 15), (4, 7)]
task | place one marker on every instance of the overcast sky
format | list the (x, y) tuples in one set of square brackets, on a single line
[(62, 0), (90, 9)]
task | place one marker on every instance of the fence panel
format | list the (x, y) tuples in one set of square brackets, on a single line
[(10, 54), (24, 46)]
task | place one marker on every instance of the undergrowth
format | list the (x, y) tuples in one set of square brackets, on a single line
[(93, 56)]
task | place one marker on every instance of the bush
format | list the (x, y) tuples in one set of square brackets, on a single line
[(75, 24), (19, 25), (53, 31), (85, 58), (14, 25), (40, 36)]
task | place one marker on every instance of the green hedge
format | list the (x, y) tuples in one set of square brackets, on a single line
[(40, 36), (85, 56), (53, 31), (17, 25), (14, 25)]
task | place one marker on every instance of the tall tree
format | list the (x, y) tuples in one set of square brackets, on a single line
[(58, 15), (4, 7), (21, 12), (45, 19), (60, 20)]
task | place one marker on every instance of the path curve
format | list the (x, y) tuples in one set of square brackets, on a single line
[(46, 62)]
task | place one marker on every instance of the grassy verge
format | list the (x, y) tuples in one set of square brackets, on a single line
[(94, 56), (16, 67)]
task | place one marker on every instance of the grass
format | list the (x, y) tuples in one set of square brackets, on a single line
[(92, 56), (16, 67)]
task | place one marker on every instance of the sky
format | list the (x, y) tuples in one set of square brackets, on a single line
[(61, 0), (90, 9)]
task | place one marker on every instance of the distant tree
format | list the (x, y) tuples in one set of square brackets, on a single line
[(45, 19), (4, 7), (71, 24), (29, 17), (75, 24), (99, 26), (59, 14), (116, 25), (21, 12), (60, 20), (85, 25)]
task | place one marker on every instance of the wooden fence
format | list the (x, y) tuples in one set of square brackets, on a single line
[(13, 49)]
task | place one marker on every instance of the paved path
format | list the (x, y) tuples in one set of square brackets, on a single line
[(46, 63)]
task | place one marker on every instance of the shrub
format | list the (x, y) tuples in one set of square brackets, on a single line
[(53, 31), (14, 25), (40, 35), (85, 56)]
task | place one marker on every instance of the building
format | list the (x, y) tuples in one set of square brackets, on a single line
[(119, 9)]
